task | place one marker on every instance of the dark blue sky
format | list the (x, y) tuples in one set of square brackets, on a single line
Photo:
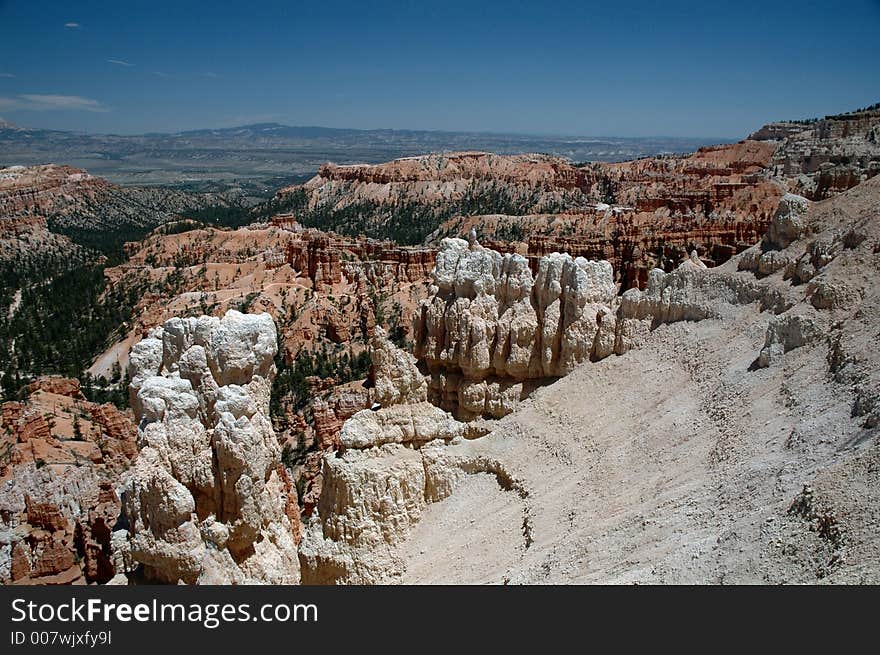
[(717, 69)]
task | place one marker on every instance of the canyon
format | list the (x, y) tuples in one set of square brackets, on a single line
[(648, 213), (644, 467), (467, 367)]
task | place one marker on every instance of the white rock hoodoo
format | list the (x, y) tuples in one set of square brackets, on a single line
[(208, 501)]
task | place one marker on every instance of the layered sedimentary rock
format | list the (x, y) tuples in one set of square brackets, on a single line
[(44, 190), (685, 461), (330, 282), (57, 526), (326, 293), (529, 169), (392, 463), (491, 326), (648, 213), (785, 228), (823, 157), (208, 501), (331, 412), (407, 198), (373, 484), (328, 259), (394, 373), (61, 458), (491, 332)]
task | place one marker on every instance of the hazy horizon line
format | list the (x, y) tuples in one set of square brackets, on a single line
[(535, 134)]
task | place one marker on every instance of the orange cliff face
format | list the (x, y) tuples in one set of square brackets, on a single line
[(325, 292), (651, 212), (61, 456), (320, 288), (528, 170), (316, 258), (328, 259), (47, 189)]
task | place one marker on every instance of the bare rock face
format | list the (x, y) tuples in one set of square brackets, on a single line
[(788, 222), (396, 377), (207, 500), (787, 332), (375, 494), (62, 456), (56, 524), (373, 488), (827, 156), (490, 332), (56, 384), (491, 326), (370, 500), (412, 425)]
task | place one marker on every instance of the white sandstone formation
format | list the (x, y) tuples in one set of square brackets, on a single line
[(490, 333), (414, 425), (491, 326), (369, 501), (395, 374), (207, 500), (785, 228), (375, 487), (373, 497)]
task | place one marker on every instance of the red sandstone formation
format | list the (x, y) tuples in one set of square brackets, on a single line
[(635, 243), (60, 457), (331, 411), (58, 385), (650, 212), (44, 190), (291, 507), (531, 170), (324, 258)]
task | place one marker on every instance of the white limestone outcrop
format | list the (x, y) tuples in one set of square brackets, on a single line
[(490, 333), (395, 374), (207, 500), (490, 325)]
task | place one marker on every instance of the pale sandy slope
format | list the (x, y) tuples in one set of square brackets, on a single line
[(676, 463)]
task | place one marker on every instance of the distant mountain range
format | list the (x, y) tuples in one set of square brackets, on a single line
[(270, 150)]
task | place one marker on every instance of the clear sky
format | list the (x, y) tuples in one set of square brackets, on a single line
[(713, 69)]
